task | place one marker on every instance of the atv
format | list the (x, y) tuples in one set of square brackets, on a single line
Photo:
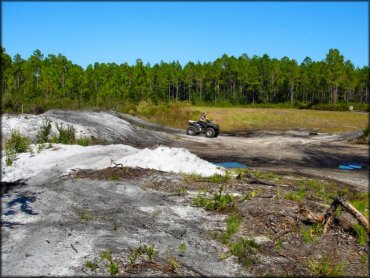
[(210, 128)]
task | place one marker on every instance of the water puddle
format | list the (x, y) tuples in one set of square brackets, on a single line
[(230, 164), (352, 166)]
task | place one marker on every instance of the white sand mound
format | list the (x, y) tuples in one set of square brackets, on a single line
[(175, 160), (61, 159)]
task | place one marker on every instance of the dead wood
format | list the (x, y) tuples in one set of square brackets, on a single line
[(328, 218), (311, 216), (352, 210)]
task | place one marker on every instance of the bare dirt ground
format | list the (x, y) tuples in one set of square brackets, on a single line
[(313, 155), (105, 222)]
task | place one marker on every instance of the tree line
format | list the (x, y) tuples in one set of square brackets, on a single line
[(235, 80)]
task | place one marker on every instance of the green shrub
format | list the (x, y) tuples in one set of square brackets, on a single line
[(44, 132), (245, 250), (66, 135), (17, 142), (219, 201), (84, 141)]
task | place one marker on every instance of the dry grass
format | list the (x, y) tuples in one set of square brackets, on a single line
[(237, 119)]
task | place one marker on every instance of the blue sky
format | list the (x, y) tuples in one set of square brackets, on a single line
[(89, 32)]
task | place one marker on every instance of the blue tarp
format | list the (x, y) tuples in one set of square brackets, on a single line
[(230, 164), (352, 166)]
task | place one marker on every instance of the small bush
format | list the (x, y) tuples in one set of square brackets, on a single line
[(44, 132), (219, 201), (245, 250), (84, 141), (66, 135), (17, 142)]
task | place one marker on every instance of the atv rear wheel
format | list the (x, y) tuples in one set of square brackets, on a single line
[(191, 130), (210, 132)]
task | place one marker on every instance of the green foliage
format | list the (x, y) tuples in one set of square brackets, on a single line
[(145, 250), (17, 142), (219, 201), (106, 254), (92, 265), (361, 202), (245, 250), (67, 135), (113, 268), (360, 234), (85, 215), (296, 195), (263, 82), (324, 267), (312, 233), (173, 264), (84, 141), (217, 178), (278, 243), (114, 177), (44, 132), (182, 248)]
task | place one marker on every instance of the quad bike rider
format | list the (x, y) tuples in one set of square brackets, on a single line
[(203, 125)]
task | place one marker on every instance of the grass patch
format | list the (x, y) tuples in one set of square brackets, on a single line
[(234, 119), (245, 250), (85, 215), (324, 267), (84, 141), (360, 234), (296, 195), (144, 251), (219, 200), (92, 265), (312, 233), (112, 267)]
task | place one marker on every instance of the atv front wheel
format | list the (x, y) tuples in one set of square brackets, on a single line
[(191, 131), (210, 132)]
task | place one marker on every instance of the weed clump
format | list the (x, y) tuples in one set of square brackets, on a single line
[(145, 250), (44, 132), (67, 135), (16, 143), (219, 201), (324, 267)]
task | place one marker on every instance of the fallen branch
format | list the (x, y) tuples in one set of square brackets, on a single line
[(311, 216), (328, 218), (340, 201)]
